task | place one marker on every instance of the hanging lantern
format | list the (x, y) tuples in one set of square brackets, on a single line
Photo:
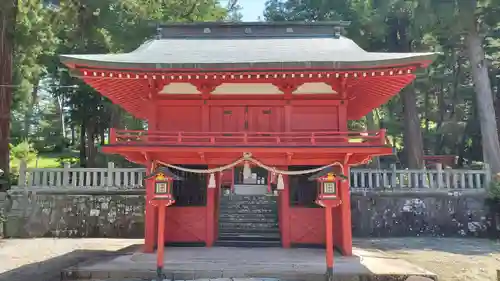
[(328, 187), (163, 178), (328, 193)]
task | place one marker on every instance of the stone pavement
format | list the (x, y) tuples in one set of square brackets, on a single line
[(42, 259), (218, 262)]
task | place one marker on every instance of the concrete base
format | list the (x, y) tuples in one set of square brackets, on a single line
[(220, 262)]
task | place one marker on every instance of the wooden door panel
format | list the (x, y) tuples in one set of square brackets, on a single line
[(227, 119), (233, 119), (314, 118), (185, 224), (264, 119), (179, 119)]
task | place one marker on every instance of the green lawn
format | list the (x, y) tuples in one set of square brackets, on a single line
[(40, 162), (44, 162), (50, 160)]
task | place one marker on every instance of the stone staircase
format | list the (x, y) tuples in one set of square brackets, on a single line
[(248, 221)]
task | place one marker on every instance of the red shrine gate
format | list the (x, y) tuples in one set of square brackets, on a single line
[(280, 92)]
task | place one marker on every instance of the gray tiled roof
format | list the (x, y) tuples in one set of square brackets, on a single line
[(199, 53)]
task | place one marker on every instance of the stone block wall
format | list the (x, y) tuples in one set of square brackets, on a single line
[(120, 214), (386, 214), (77, 215)]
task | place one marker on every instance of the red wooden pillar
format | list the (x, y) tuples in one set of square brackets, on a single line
[(345, 215), (329, 240), (211, 210), (150, 216), (161, 238), (284, 212)]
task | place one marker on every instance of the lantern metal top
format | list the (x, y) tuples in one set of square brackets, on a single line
[(326, 171), (166, 172)]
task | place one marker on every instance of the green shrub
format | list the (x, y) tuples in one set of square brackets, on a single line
[(23, 151), (68, 159), (494, 188)]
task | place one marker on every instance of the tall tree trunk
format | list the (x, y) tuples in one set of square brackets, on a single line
[(412, 138), (91, 151), (83, 147), (484, 96), (116, 117), (73, 134), (28, 116), (413, 145), (8, 12), (460, 151), (60, 113), (427, 118), (372, 124)]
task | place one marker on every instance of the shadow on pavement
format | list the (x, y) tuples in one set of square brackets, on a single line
[(50, 269)]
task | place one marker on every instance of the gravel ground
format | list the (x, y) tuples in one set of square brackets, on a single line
[(451, 259)]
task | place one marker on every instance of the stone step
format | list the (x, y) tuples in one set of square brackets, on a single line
[(247, 244), (247, 198), (249, 216), (248, 219), (250, 206), (248, 209), (249, 225), (254, 211), (248, 202), (234, 230), (249, 237)]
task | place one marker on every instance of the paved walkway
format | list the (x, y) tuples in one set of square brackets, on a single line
[(222, 262), (452, 259), (43, 259)]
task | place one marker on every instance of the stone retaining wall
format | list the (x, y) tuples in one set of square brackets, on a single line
[(120, 214), (377, 214), (80, 215)]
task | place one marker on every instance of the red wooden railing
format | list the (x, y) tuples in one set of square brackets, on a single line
[(128, 137)]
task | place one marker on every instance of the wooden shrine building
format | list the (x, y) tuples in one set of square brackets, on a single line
[(263, 107)]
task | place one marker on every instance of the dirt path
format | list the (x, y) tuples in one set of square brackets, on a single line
[(43, 259), (451, 259)]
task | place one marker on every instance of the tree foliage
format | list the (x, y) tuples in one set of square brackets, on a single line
[(446, 111), (450, 101)]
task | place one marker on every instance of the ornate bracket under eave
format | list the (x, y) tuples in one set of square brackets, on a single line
[(287, 88), (207, 87), (155, 86)]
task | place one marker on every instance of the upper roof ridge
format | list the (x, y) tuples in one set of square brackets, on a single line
[(212, 30)]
